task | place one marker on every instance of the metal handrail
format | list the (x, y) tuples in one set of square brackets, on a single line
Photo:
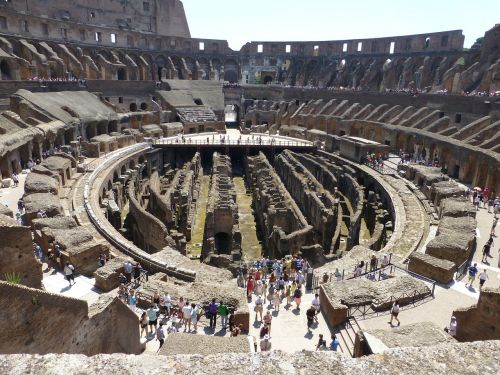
[(218, 142)]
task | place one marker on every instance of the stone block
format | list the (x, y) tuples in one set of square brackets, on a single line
[(434, 268)]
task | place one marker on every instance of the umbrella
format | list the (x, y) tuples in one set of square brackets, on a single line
[(477, 188)]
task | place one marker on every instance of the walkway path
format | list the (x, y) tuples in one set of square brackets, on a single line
[(194, 246), (251, 247)]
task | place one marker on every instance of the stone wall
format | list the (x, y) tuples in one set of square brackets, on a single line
[(440, 359), (222, 237), (318, 205), (60, 324), (17, 253), (434, 268), (480, 322)]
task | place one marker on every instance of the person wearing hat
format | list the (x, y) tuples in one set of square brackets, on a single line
[(472, 274), (265, 344), (453, 327)]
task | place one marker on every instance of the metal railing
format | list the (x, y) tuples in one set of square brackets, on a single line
[(243, 142)]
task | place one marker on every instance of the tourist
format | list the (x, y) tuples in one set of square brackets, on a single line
[(250, 287), (276, 300), (338, 275), (477, 200), (320, 341), (395, 312), (486, 250), (310, 315), (300, 278), (160, 335), (166, 304), (194, 317), (69, 273), (127, 269), (259, 306), (15, 179), (334, 344), (483, 276), (132, 300), (267, 321), (316, 305), (265, 344), (259, 288), (288, 295), (155, 299), (186, 316), (373, 263), (137, 272), (297, 296), (122, 279), (152, 312), (223, 311), (212, 313), (493, 227), (236, 330), (38, 251), (453, 327), (472, 274), (264, 331), (180, 306), (144, 322)]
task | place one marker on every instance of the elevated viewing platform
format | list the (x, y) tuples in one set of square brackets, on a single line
[(234, 139)]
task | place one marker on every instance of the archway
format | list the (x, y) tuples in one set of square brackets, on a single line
[(133, 107), (144, 106), (267, 79), (5, 70), (231, 76), (122, 74), (223, 243)]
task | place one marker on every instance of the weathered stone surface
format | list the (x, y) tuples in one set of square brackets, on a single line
[(480, 322), (443, 359), (17, 253), (183, 343), (455, 207), (42, 201), (65, 324), (434, 268), (454, 239), (39, 183), (106, 277)]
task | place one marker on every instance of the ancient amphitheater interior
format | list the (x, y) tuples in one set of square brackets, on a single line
[(156, 164)]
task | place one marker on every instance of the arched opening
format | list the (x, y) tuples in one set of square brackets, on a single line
[(113, 126), (223, 243), (427, 42), (5, 70), (102, 128), (90, 131), (231, 76), (123, 170), (121, 74), (267, 79), (115, 176), (198, 101), (144, 106), (133, 107)]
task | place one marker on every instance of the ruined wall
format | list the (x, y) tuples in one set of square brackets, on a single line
[(285, 229), (480, 322), (17, 253), (315, 202), (148, 232), (39, 322), (222, 234)]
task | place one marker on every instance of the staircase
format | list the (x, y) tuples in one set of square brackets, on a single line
[(346, 334)]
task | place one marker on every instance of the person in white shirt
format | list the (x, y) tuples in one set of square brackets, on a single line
[(186, 314), (68, 272), (316, 305), (483, 276), (166, 303), (453, 327)]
